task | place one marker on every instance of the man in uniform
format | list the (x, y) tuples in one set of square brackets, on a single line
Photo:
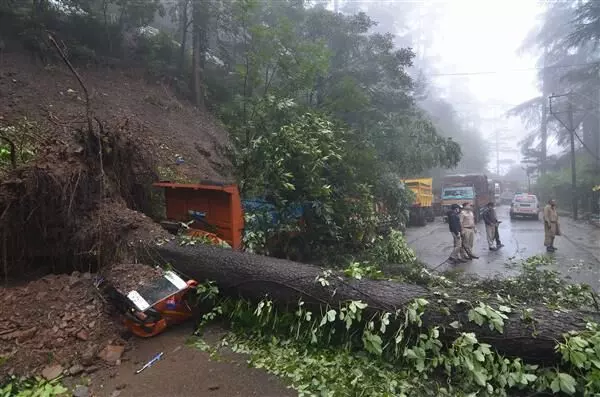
[(491, 227), (551, 225), (455, 229), (467, 223)]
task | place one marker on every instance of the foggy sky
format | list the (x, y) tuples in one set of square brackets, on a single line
[(480, 42)]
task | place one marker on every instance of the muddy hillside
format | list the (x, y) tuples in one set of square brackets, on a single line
[(79, 192)]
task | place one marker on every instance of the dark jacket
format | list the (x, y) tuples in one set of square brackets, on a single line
[(454, 223), (489, 217)]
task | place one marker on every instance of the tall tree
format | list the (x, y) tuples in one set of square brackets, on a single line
[(200, 20)]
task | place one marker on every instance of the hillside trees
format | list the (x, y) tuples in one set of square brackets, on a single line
[(297, 60), (288, 80), (565, 43)]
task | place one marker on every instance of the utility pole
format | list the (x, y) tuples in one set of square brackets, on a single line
[(573, 160), (498, 152), (569, 126), (336, 6), (544, 124)]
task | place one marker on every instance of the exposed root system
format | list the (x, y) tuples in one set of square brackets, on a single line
[(74, 208)]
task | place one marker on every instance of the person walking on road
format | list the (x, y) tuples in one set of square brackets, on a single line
[(491, 227), (467, 224), (455, 229), (551, 225)]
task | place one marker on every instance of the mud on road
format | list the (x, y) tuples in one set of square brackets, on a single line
[(60, 326)]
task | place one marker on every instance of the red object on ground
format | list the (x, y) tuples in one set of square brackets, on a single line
[(173, 310), (221, 204)]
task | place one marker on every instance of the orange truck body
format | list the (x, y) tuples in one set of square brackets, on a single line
[(221, 205)]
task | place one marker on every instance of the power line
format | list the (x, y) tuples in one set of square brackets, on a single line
[(514, 70), (572, 129)]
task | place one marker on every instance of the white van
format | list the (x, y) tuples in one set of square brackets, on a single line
[(525, 205)]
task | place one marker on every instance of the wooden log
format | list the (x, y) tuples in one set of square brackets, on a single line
[(253, 277)]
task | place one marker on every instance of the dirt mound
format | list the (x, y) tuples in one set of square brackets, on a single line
[(74, 206), (171, 129), (56, 320), (128, 277)]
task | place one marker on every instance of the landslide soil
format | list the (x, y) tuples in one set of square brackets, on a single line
[(168, 127), (60, 319), (55, 320)]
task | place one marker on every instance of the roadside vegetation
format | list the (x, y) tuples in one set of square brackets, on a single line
[(340, 351)]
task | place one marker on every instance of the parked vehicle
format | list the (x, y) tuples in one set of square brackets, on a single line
[(467, 188), (525, 205), (507, 197), (421, 210)]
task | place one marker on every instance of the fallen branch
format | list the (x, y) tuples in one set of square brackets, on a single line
[(88, 110)]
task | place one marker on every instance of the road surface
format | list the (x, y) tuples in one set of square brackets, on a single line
[(577, 256)]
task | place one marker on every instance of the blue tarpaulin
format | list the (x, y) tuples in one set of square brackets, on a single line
[(261, 205)]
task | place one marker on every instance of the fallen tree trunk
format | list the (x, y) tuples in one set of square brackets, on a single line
[(253, 277)]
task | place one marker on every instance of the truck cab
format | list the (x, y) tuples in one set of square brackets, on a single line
[(474, 189), (457, 195)]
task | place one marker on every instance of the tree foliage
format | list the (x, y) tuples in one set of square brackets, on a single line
[(320, 106), (565, 43)]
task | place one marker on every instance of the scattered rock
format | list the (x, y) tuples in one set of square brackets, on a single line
[(81, 391), (116, 393), (214, 387), (20, 336), (111, 353), (121, 386), (82, 335), (91, 369), (87, 358), (74, 280), (52, 371), (76, 369)]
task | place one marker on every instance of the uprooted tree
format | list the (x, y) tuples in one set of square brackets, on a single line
[(532, 337)]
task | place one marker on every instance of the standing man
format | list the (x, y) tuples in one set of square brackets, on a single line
[(491, 227), (455, 229), (467, 223), (551, 225)]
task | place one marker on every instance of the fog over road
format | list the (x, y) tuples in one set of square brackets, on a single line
[(577, 256)]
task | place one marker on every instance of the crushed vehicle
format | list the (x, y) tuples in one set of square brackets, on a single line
[(156, 300)]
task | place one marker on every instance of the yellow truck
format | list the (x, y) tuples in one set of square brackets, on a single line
[(421, 210)]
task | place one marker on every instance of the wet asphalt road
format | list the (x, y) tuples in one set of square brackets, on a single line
[(577, 256)]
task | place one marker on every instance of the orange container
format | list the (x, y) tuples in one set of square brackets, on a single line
[(221, 204)]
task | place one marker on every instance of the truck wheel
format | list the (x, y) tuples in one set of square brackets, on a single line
[(421, 220), (430, 216)]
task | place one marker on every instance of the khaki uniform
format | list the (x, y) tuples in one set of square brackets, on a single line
[(457, 247), (551, 225), (491, 228), (467, 221)]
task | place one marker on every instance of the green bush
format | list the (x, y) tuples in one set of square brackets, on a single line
[(393, 249)]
